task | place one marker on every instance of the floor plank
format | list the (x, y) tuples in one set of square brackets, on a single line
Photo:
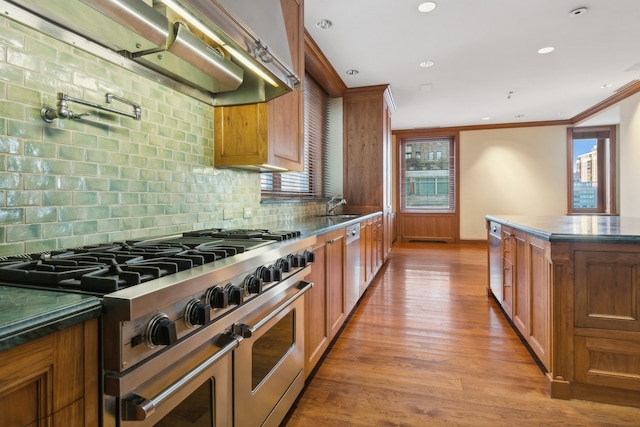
[(426, 347)]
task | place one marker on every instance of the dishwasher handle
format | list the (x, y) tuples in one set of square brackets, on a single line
[(245, 331)]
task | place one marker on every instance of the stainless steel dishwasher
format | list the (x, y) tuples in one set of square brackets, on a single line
[(495, 260), (353, 267)]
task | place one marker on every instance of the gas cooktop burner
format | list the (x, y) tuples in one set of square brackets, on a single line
[(100, 269), (244, 234)]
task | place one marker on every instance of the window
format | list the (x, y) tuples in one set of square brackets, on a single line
[(591, 153), (311, 182), (428, 185)]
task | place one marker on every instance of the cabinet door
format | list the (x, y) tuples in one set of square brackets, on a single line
[(26, 392), (508, 271), (240, 135), (521, 301), (337, 309), (539, 276), (317, 334)]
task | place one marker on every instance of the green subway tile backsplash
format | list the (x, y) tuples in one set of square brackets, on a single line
[(107, 177)]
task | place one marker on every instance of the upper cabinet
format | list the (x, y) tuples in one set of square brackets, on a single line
[(367, 152), (267, 136)]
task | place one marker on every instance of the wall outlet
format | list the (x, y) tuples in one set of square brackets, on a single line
[(227, 214), (247, 212)]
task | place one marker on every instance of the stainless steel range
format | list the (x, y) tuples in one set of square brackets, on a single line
[(199, 329)]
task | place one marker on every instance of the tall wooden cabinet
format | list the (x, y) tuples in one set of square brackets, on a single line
[(367, 153), (267, 136)]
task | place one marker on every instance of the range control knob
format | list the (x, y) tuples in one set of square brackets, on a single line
[(269, 274), (161, 331), (284, 264), (236, 294), (310, 256), (253, 284), (217, 297), (197, 313), (298, 260)]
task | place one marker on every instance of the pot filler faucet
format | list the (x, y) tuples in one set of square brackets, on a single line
[(333, 203)]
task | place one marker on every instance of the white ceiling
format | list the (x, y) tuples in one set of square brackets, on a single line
[(482, 50)]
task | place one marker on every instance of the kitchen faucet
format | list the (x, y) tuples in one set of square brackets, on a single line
[(333, 203)]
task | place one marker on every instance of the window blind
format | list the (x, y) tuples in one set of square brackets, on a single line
[(428, 175), (311, 182)]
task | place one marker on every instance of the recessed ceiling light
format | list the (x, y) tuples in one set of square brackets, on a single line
[(578, 11), (519, 116), (324, 24), (352, 72), (546, 50), (427, 64), (427, 7), (486, 118), (606, 85)]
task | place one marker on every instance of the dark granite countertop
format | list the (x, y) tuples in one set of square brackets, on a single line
[(26, 314), (576, 228), (321, 224)]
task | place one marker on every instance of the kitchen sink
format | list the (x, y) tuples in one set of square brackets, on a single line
[(341, 216)]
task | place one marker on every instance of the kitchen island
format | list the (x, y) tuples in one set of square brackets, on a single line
[(570, 286)]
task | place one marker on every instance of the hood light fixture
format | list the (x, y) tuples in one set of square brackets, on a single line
[(175, 7)]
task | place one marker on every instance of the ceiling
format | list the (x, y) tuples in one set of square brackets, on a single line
[(486, 69)]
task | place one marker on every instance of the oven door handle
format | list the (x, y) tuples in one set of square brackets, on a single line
[(137, 408), (245, 331)]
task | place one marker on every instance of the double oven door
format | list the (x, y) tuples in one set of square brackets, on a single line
[(269, 362)]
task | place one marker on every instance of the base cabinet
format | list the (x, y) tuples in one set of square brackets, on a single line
[(325, 302), (52, 380), (330, 301), (526, 269)]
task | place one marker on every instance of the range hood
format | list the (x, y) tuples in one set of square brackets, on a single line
[(236, 51)]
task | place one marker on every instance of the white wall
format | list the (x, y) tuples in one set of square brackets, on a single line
[(517, 171), (629, 149)]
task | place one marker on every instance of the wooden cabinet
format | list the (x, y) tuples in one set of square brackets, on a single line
[(52, 380), (325, 302), (366, 252), (367, 153), (269, 135), (508, 271), (526, 269)]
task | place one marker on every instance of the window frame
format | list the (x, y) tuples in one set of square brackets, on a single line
[(606, 168), (453, 173)]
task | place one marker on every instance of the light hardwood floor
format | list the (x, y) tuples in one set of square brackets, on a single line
[(427, 347)]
